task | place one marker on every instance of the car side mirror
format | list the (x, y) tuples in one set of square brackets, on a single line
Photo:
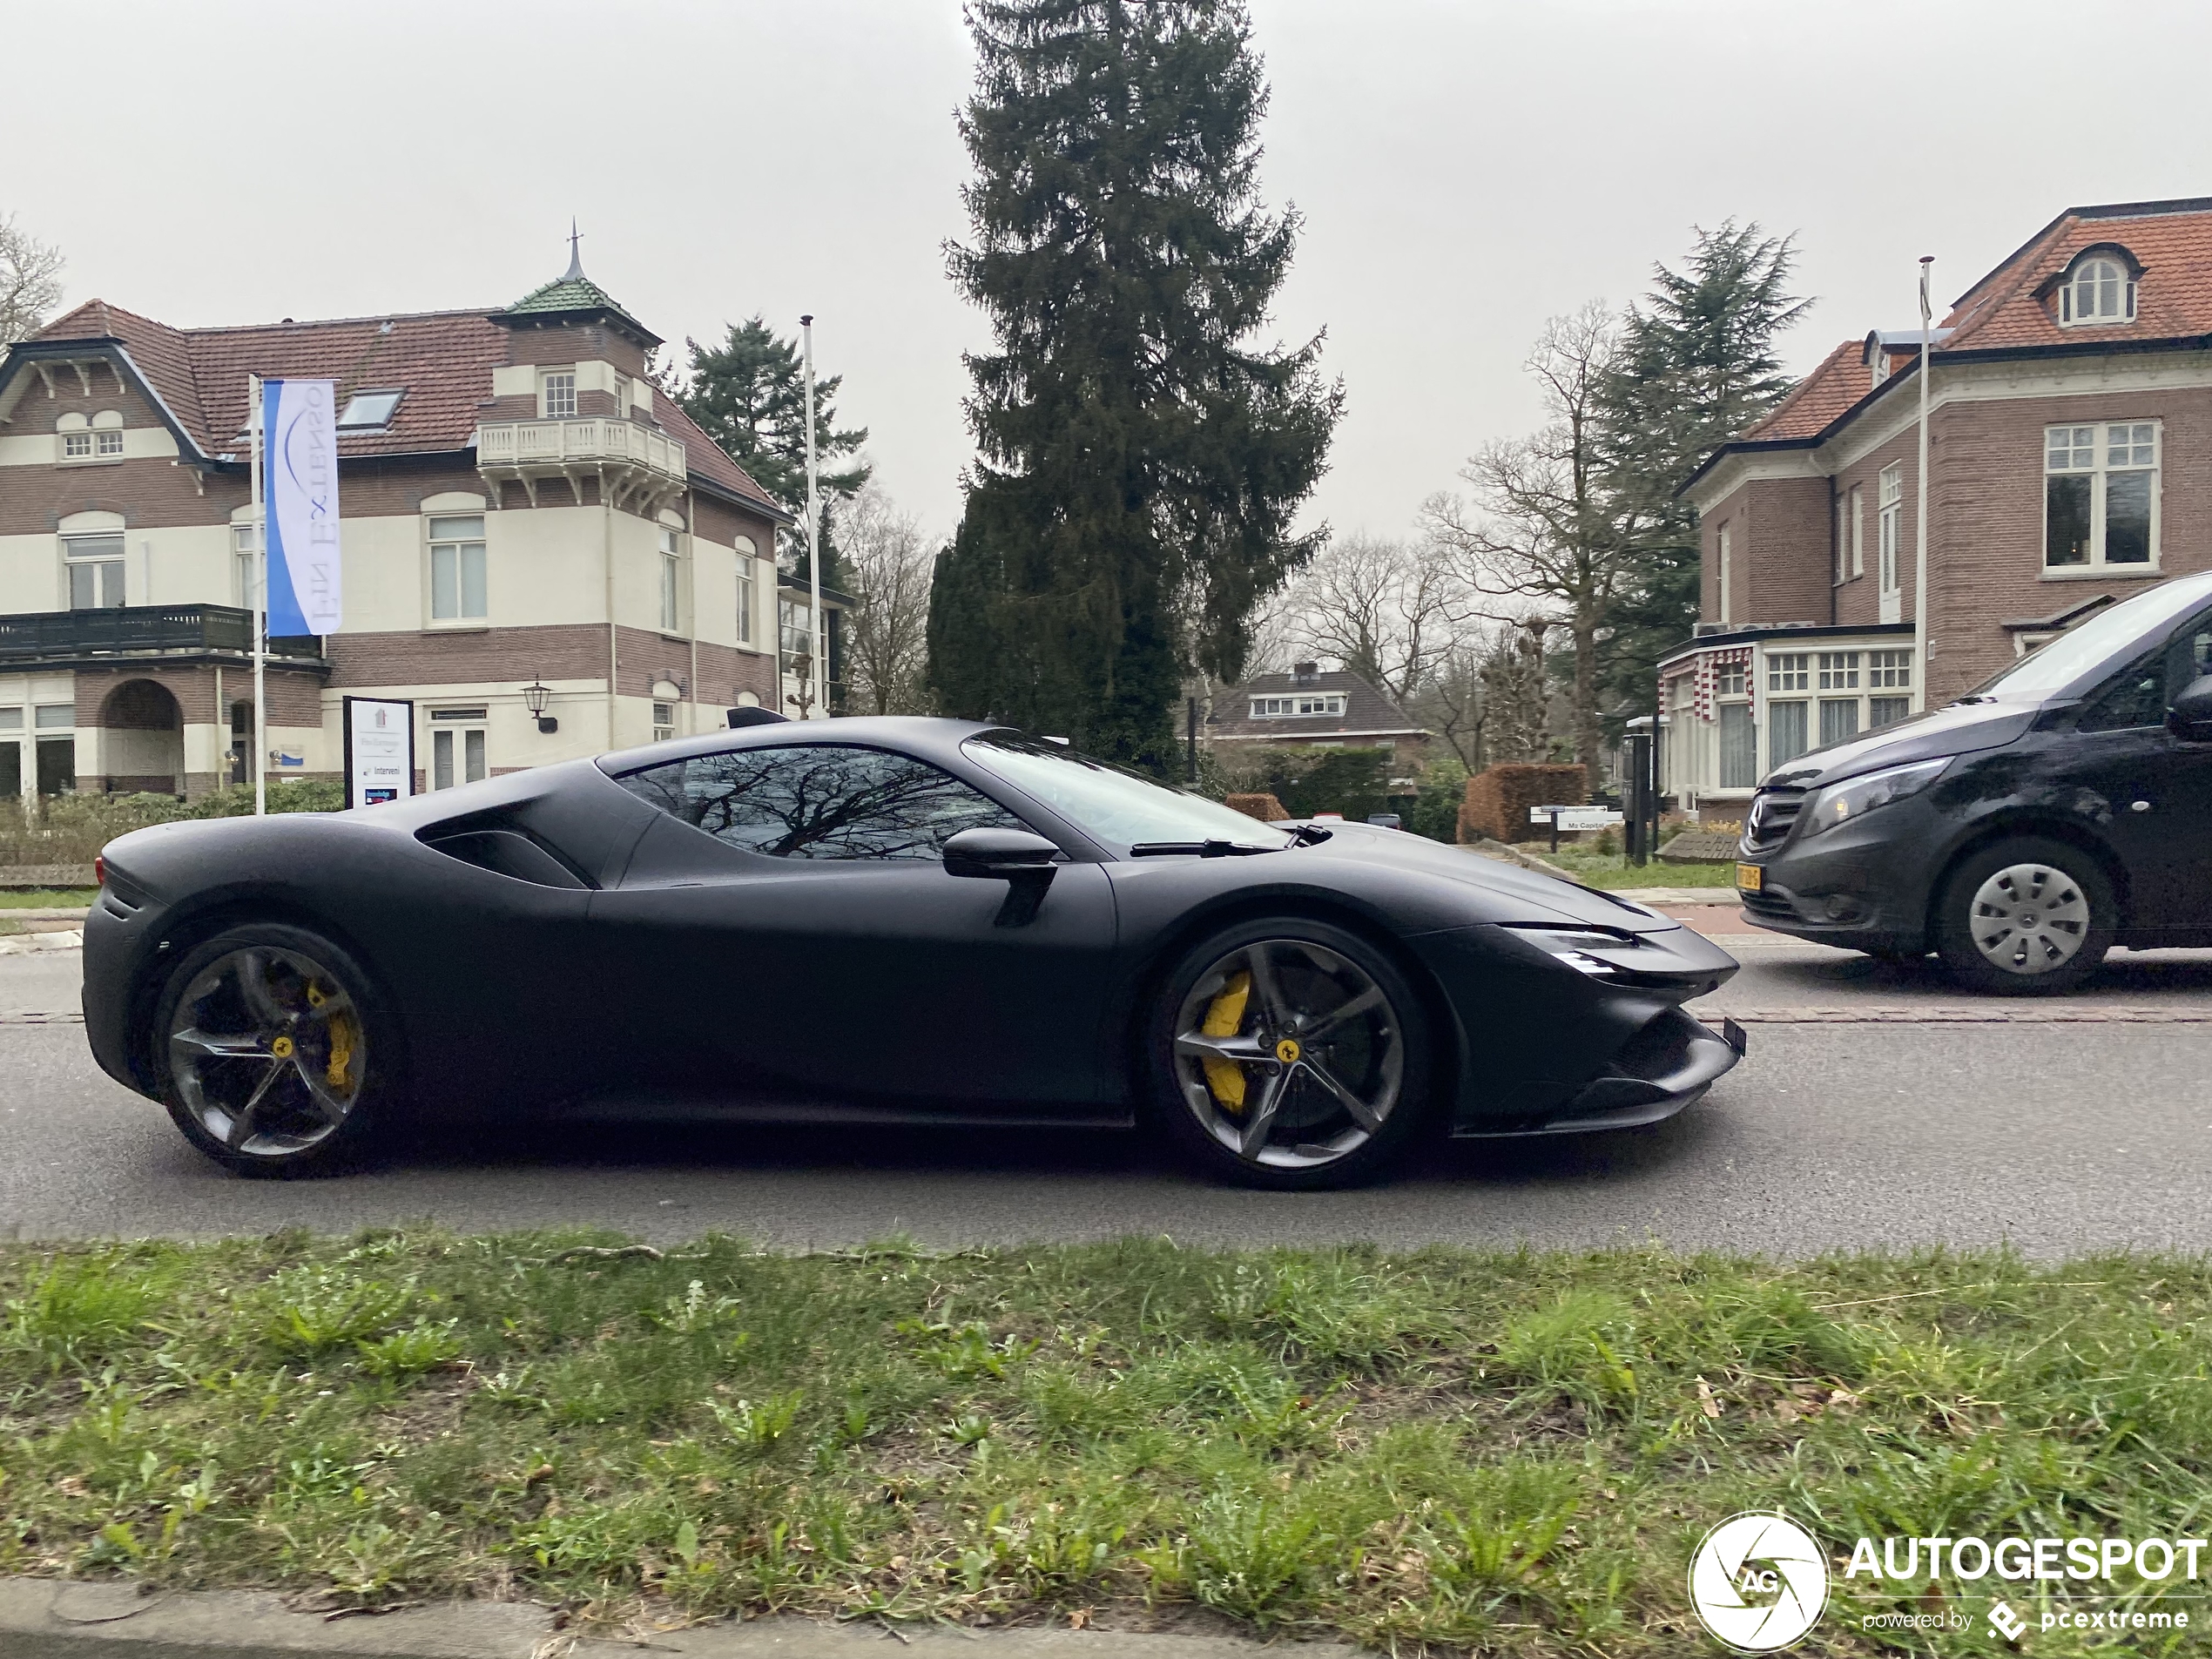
[(1021, 859), (2190, 718), (1005, 853)]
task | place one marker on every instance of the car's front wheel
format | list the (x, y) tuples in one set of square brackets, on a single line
[(1290, 1053), (271, 1050), (2025, 917)]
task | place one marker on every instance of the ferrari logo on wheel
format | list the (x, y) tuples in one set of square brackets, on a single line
[(1286, 1051)]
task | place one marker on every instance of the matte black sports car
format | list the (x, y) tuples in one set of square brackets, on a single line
[(870, 921)]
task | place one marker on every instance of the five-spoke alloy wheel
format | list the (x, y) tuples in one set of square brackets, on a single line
[(2025, 916), (265, 1048), (1293, 1054)]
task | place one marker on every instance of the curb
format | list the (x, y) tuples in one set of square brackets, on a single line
[(111, 1619), (25, 944)]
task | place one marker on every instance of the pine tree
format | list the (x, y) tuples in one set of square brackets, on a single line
[(1697, 366), (1138, 465), (749, 395)]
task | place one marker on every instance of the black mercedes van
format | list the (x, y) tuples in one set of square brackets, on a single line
[(2061, 808)]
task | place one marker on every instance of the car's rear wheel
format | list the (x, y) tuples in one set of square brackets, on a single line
[(2025, 917), (272, 1050), (1290, 1053)]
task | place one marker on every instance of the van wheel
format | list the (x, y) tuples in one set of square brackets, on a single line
[(2026, 917)]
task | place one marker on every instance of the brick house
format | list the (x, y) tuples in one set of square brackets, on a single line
[(520, 505), (1308, 709), (2070, 464)]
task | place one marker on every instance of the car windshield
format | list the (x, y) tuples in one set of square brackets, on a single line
[(1120, 807), (2091, 644)]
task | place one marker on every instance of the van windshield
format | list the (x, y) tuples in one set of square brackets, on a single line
[(2083, 649)]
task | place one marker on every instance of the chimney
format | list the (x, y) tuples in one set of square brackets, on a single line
[(1304, 673)]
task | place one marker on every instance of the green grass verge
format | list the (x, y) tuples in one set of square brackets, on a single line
[(49, 899), (1613, 870), (1509, 1453)]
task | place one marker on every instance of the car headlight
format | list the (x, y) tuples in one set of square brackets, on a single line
[(1572, 945), (1845, 802)]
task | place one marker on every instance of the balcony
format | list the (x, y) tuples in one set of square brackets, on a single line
[(139, 633), (636, 467)]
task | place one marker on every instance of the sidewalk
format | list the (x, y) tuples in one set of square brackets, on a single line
[(62, 1619)]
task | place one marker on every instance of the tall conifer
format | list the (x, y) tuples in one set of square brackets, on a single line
[(1138, 463)]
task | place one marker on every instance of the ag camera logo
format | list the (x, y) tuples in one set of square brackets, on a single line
[(1759, 1582)]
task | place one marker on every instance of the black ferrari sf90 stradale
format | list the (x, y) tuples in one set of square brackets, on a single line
[(869, 921)]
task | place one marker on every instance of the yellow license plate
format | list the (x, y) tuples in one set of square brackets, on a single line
[(1747, 877)]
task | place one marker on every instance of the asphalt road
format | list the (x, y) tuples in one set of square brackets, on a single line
[(1869, 1112)]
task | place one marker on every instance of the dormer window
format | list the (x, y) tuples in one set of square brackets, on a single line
[(1304, 703), (2098, 290), (368, 411)]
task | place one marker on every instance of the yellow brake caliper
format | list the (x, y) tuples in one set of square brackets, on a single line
[(341, 1039), (1224, 1015)]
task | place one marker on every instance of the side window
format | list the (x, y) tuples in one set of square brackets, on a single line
[(2133, 696), (819, 801)]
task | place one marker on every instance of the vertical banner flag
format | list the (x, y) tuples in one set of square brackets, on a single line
[(299, 467)]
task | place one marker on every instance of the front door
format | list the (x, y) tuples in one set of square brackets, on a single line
[(790, 927)]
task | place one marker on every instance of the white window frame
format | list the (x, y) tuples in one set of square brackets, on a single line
[(457, 726), (1732, 679), (1295, 705), (744, 601), (246, 570), (1857, 531), (663, 720), (556, 394), (671, 581), (622, 397), (1727, 599), (1841, 571), (107, 443), (1891, 524), (1789, 671), (1838, 671), (2099, 471), (362, 428), (460, 545), (2095, 280), (77, 554)]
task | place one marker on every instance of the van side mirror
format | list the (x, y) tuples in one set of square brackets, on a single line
[(2190, 719)]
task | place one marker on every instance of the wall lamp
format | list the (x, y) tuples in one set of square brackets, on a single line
[(536, 694)]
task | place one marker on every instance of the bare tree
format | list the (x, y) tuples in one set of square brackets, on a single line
[(1389, 611), (885, 646), (30, 280), (1544, 526)]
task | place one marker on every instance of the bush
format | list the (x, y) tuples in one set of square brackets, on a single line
[(1435, 808), (71, 829), (1355, 782)]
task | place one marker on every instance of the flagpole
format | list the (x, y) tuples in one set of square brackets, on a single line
[(814, 617), (1920, 511), (260, 609)]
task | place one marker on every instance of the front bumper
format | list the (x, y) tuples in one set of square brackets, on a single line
[(1670, 1066), (1859, 886)]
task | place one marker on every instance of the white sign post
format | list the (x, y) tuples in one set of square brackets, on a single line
[(1573, 817), (380, 750)]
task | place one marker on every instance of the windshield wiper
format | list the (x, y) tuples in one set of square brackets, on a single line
[(1198, 849), (1310, 835)]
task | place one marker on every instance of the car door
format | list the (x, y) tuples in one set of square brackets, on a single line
[(788, 926), (2150, 789)]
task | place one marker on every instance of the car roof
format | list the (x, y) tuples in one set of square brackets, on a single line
[(928, 735)]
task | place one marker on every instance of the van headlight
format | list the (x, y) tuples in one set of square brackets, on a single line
[(1846, 802)]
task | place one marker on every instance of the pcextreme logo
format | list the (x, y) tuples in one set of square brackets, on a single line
[(1758, 1582)]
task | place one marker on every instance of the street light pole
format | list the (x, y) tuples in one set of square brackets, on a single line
[(1920, 508), (818, 674)]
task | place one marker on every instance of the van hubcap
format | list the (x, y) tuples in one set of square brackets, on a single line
[(2030, 919)]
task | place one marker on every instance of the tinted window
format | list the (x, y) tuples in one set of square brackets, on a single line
[(2136, 696), (820, 802)]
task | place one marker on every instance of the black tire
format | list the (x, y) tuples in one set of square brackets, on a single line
[(294, 1078), (2059, 891), (1373, 1052)]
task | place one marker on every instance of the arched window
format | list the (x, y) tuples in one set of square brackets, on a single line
[(2098, 290)]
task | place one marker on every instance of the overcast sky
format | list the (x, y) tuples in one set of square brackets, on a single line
[(1465, 170)]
